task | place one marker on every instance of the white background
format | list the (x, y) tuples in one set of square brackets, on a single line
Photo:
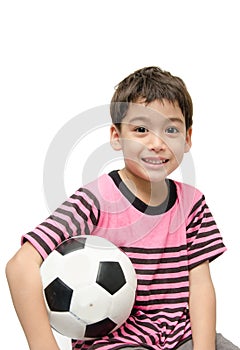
[(60, 58)]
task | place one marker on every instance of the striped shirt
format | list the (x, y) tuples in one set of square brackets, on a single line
[(163, 242)]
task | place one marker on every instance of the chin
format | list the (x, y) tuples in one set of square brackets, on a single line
[(155, 178)]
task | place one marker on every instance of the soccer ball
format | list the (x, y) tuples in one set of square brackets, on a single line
[(89, 287)]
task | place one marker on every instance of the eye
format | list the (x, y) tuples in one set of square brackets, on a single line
[(141, 129), (172, 130)]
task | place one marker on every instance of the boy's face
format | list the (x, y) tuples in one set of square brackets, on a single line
[(153, 139)]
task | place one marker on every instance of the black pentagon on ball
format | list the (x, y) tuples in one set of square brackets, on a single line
[(110, 276), (99, 329), (58, 295), (71, 245)]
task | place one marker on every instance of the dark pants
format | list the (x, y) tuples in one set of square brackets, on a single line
[(221, 344)]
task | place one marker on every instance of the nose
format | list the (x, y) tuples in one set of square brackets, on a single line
[(156, 143)]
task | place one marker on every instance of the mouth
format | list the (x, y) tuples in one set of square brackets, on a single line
[(154, 160)]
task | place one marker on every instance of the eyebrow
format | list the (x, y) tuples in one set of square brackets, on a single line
[(176, 120), (140, 118)]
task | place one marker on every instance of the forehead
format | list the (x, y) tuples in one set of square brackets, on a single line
[(155, 109), (154, 114)]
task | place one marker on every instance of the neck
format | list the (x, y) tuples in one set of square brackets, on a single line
[(151, 193)]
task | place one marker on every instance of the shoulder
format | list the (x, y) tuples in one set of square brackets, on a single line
[(189, 198), (187, 192), (103, 188)]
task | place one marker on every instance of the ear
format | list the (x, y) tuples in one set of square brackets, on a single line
[(188, 141), (115, 138)]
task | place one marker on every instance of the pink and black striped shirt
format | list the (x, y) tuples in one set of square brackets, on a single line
[(163, 242)]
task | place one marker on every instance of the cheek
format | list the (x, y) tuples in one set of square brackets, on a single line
[(131, 148), (177, 148)]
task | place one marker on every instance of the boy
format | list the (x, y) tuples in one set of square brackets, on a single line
[(164, 226)]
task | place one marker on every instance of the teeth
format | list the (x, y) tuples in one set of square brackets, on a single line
[(153, 161)]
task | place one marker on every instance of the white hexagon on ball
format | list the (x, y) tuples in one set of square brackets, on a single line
[(86, 306)]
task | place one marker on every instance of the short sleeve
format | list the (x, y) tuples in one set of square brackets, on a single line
[(204, 241), (78, 215)]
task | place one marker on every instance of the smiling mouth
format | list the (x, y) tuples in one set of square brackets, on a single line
[(155, 161)]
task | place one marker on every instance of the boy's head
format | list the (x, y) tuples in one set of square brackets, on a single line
[(147, 85)]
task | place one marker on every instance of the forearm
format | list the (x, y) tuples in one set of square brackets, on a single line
[(202, 307), (26, 290)]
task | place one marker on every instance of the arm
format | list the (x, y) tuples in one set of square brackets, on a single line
[(23, 274), (202, 307)]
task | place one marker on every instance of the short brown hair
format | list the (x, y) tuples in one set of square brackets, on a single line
[(149, 84)]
